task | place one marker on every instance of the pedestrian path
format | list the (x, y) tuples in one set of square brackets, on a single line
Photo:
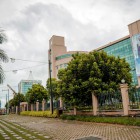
[(67, 130), (11, 131)]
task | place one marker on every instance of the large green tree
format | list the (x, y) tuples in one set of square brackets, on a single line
[(3, 55), (94, 72), (36, 93)]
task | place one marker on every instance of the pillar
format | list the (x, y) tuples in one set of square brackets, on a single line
[(37, 106), (125, 98), (94, 104), (61, 102), (75, 111), (16, 109), (27, 107), (32, 107), (139, 81), (43, 105)]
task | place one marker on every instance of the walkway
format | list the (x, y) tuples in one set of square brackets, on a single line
[(70, 130)]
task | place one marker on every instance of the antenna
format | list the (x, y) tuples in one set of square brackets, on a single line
[(30, 76)]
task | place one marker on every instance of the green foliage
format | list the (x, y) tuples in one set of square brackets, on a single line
[(18, 98), (94, 72), (15, 101), (112, 120), (2, 36), (54, 85), (40, 114), (36, 93), (3, 55)]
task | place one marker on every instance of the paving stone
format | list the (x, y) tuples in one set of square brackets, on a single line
[(7, 138), (46, 137), (28, 135), (15, 135), (18, 137), (5, 135), (40, 134)]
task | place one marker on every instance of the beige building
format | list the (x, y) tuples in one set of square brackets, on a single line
[(58, 54)]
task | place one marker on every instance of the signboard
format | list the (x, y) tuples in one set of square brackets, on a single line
[(136, 50)]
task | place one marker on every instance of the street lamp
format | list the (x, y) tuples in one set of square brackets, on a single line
[(51, 103), (7, 103), (122, 81)]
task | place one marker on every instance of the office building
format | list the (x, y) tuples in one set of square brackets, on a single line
[(24, 85), (127, 47)]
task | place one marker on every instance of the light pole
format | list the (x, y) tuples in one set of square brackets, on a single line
[(51, 103), (18, 103), (7, 103)]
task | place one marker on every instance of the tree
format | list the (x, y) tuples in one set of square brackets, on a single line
[(3, 37), (94, 72), (54, 84), (3, 55), (36, 93), (16, 100)]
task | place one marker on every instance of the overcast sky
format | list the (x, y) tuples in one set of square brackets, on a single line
[(85, 24)]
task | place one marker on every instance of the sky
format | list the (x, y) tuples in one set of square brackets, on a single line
[(85, 25)]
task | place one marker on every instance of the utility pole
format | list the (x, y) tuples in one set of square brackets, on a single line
[(7, 102), (51, 103), (18, 103)]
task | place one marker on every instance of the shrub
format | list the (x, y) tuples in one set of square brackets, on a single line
[(40, 114), (112, 120)]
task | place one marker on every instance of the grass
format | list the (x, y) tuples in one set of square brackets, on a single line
[(1, 137), (13, 127), (112, 120)]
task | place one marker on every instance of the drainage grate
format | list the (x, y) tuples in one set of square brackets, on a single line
[(89, 138)]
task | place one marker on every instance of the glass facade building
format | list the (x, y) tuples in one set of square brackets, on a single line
[(123, 49), (24, 85)]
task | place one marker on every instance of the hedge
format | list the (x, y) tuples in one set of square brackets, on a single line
[(40, 114), (113, 120)]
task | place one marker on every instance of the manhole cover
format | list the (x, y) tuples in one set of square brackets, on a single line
[(89, 138)]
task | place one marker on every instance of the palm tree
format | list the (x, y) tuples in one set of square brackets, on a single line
[(3, 55), (2, 36)]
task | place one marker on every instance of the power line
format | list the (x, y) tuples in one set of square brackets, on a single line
[(13, 59), (24, 68)]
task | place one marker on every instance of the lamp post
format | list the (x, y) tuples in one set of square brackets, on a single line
[(122, 81), (18, 103), (51, 103), (7, 103)]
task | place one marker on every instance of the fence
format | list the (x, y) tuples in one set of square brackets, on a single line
[(134, 98), (122, 102)]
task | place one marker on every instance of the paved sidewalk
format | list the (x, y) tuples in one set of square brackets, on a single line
[(13, 131), (70, 130)]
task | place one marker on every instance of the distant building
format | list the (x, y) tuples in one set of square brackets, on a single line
[(24, 85)]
